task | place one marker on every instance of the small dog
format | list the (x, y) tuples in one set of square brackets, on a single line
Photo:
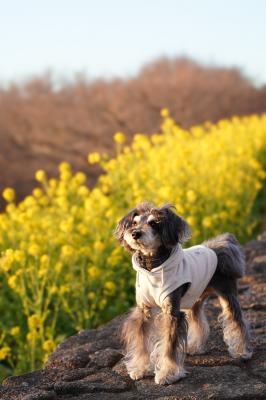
[(171, 288)]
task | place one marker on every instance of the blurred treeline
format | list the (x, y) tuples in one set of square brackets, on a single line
[(42, 124)]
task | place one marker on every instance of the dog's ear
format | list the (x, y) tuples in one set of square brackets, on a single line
[(122, 225), (174, 228)]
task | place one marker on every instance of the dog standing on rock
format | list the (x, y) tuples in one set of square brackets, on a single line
[(172, 285)]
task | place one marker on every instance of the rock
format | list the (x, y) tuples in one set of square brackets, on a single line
[(259, 264), (103, 381), (217, 382), (76, 374), (76, 351), (40, 395), (106, 358), (90, 365)]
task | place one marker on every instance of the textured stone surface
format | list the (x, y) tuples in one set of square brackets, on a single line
[(90, 364)]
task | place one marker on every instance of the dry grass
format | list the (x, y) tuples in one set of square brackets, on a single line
[(41, 126)]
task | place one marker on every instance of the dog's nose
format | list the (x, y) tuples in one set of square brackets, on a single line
[(136, 234)]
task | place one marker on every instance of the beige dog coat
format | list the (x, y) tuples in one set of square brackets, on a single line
[(195, 265)]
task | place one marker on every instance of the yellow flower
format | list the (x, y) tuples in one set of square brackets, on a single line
[(54, 289), (65, 176), (94, 158), (29, 201), (64, 167), (98, 245), (164, 112), (62, 202), (10, 208), (15, 331), (5, 264), (67, 251), (10, 253), (103, 303), (94, 272), (207, 222), (9, 194), (49, 346), (63, 289), (19, 255), (58, 267), (34, 250), (37, 193), (40, 176), (91, 296), (44, 200), (258, 185), (12, 281), (44, 260), (53, 183), (119, 137), (83, 229), (80, 178), (83, 191), (34, 322), (109, 285), (5, 352), (30, 336), (42, 272), (191, 196), (190, 220), (66, 226), (223, 215)]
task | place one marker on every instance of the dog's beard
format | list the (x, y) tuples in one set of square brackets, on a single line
[(148, 244)]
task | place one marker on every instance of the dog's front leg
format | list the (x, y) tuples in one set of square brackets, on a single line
[(134, 335), (173, 340)]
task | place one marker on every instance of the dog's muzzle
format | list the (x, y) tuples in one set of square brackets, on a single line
[(136, 234)]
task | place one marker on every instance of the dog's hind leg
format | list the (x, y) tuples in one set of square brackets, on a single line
[(230, 267), (235, 327), (171, 347), (198, 327), (134, 335)]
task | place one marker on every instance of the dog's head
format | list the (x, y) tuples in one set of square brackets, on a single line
[(146, 228)]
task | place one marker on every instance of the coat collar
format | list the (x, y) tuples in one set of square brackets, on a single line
[(172, 261)]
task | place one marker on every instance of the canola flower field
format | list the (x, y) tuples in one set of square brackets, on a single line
[(61, 269)]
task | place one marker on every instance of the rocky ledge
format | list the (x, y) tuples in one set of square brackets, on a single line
[(90, 364)]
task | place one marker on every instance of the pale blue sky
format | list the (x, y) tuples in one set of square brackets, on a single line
[(115, 37)]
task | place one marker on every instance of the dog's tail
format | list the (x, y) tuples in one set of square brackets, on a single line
[(231, 259)]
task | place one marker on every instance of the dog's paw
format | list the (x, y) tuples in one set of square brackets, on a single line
[(167, 377), (136, 374), (245, 355), (195, 349), (195, 345)]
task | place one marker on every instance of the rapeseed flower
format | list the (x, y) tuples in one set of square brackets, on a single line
[(40, 175), (5, 352), (94, 158), (60, 263), (15, 331), (34, 322), (9, 194), (49, 346), (119, 137)]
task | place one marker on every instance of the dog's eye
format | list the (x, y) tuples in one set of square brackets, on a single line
[(153, 223), (135, 221)]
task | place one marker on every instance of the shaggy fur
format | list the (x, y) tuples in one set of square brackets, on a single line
[(156, 340)]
